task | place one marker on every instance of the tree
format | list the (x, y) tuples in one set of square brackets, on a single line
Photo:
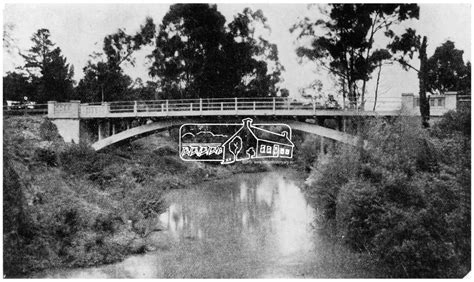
[(48, 69), (259, 65), (101, 83), (346, 47), (16, 87), (196, 55), (378, 58), (403, 47), (447, 71), (104, 80)]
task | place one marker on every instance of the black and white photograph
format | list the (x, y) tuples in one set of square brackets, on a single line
[(144, 139)]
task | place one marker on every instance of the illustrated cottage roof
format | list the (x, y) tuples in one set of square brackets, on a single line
[(262, 134)]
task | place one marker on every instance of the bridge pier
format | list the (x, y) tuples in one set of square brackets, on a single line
[(321, 150), (103, 129)]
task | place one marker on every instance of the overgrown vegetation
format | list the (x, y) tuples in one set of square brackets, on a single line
[(66, 205), (405, 199)]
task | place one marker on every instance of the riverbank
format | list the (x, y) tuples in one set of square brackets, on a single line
[(405, 199), (68, 206), (255, 225)]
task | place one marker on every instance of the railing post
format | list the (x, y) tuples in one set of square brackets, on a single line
[(273, 105), (222, 106), (314, 105), (254, 105), (135, 107), (166, 105), (191, 107), (236, 104), (107, 108), (200, 104), (288, 102), (162, 107)]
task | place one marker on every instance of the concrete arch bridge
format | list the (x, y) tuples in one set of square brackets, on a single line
[(109, 123)]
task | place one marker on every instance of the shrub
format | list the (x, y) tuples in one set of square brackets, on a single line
[(165, 151), (47, 156), (48, 131), (454, 121), (405, 199), (82, 159)]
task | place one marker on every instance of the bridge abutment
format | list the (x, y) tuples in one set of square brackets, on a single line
[(66, 117), (68, 129)]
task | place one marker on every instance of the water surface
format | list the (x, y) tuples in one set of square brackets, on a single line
[(246, 226)]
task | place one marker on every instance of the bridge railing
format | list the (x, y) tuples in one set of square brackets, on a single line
[(34, 109), (212, 104), (204, 106)]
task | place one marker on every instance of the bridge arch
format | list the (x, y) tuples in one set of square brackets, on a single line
[(134, 132), (147, 129)]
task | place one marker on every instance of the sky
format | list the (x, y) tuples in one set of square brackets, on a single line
[(79, 29)]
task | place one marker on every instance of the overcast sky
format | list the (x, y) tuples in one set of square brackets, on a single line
[(79, 29)]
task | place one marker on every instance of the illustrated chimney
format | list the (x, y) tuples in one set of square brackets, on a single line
[(247, 122)]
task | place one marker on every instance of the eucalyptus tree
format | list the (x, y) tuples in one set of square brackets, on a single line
[(104, 78), (198, 55), (343, 41)]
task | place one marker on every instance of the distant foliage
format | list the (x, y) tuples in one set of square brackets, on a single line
[(405, 199)]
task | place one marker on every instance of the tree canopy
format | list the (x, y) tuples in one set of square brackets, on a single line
[(447, 70), (48, 70), (345, 47), (196, 55), (104, 79)]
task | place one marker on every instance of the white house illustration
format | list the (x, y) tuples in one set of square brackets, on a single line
[(251, 142)]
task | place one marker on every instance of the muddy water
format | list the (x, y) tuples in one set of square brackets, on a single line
[(249, 225)]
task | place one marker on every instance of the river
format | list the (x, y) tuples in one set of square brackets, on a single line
[(247, 226)]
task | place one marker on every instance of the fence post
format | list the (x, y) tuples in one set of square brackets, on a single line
[(166, 105), (273, 105), (200, 104), (236, 104), (222, 106), (191, 107), (135, 107), (254, 105), (288, 101)]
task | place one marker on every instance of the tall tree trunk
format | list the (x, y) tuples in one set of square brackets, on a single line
[(377, 85), (344, 93), (422, 76)]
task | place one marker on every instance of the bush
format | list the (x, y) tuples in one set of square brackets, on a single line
[(82, 159), (405, 200), (47, 156), (165, 151), (48, 131)]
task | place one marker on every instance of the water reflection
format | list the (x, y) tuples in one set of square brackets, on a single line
[(266, 212), (249, 225)]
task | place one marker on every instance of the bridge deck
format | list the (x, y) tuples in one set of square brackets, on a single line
[(271, 106)]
